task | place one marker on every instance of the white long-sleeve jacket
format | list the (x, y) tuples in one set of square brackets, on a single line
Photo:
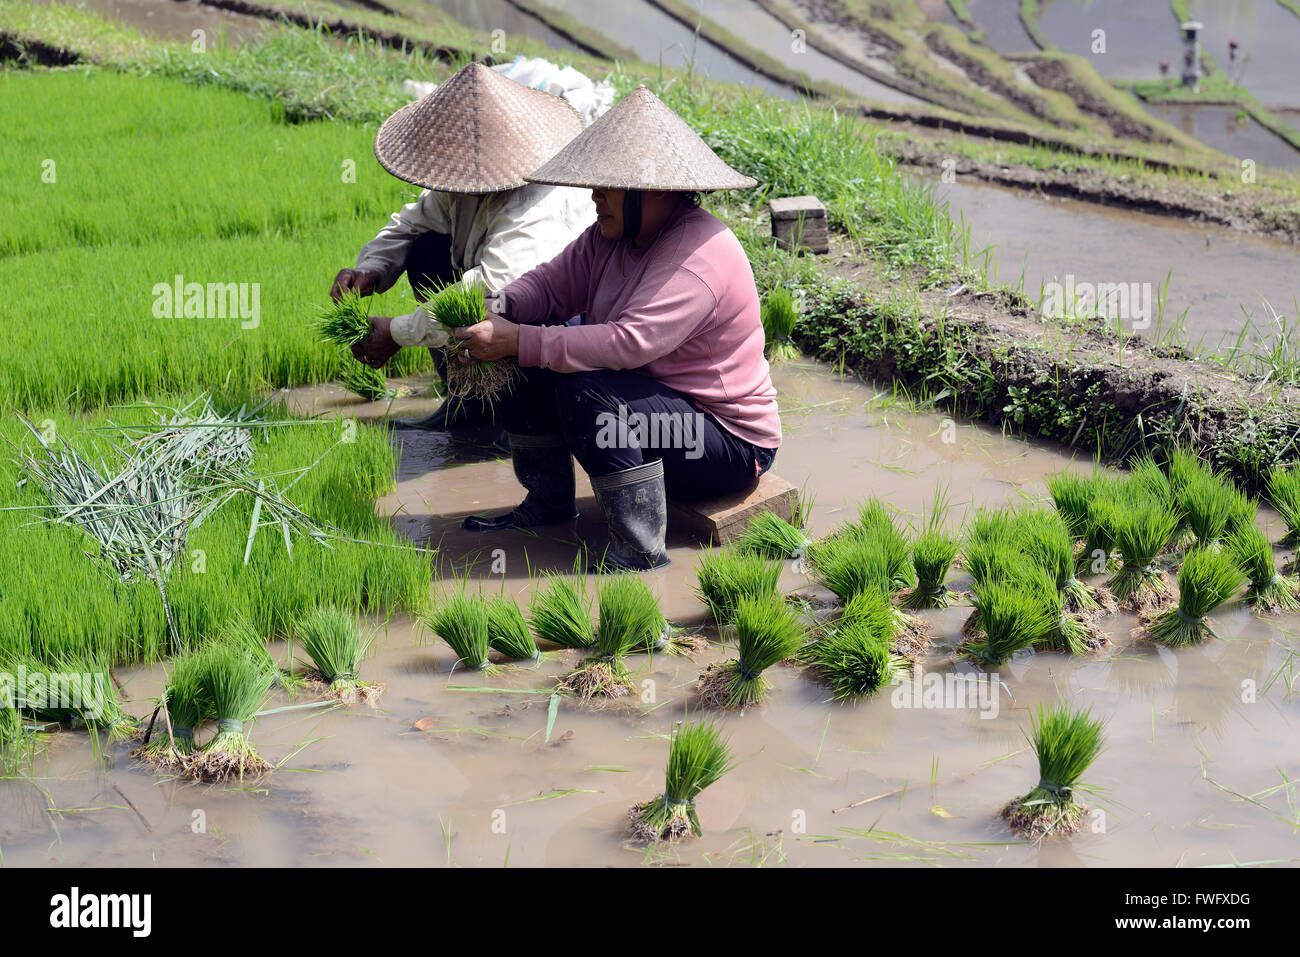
[(495, 238)]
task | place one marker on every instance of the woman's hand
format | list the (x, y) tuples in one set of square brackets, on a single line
[(493, 338), (377, 348)]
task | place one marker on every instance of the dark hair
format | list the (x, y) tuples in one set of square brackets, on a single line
[(692, 197)]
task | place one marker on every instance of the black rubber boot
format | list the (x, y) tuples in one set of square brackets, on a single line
[(544, 467), (636, 509)]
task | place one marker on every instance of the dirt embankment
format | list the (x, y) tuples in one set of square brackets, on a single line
[(29, 52), (991, 356), (1054, 75)]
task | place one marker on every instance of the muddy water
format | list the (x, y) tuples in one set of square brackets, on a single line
[(175, 19), (1001, 24), (482, 786), (1221, 128), (1269, 36), (489, 15), (1216, 272)]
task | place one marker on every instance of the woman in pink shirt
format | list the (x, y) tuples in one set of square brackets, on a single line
[(661, 389)]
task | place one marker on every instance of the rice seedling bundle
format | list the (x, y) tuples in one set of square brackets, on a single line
[(855, 657), (456, 305), (1206, 580), (875, 526), (508, 631), (1072, 494), (726, 576), (185, 699), (561, 614), (14, 739), (779, 316), (1284, 495), (1067, 743), (1096, 557), (344, 322), (1209, 504), (629, 619), (768, 630), (1048, 544), (234, 682), (331, 639), (462, 622), (697, 757), (365, 381), (1142, 530), (850, 565), (1266, 589), (1011, 618), (1073, 632), (933, 553), (771, 536), (79, 693)]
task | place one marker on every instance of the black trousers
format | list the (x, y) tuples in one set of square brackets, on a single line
[(619, 419)]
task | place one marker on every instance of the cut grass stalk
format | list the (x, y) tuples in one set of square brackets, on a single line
[(235, 682), (344, 322), (561, 614), (697, 757), (187, 705), (1207, 579), (331, 639), (508, 631), (768, 630), (726, 576), (771, 536), (456, 305), (1266, 589), (854, 657), (462, 621), (779, 316), (629, 619), (1142, 530), (1067, 743)]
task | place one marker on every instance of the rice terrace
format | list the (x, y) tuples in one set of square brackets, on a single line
[(647, 433)]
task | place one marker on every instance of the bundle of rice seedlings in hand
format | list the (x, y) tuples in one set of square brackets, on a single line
[(1067, 743), (508, 631), (365, 381), (345, 322), (771, 536), (1207, 579), (234, 682), (332, 640), (779, 316), (855, 657), (1142, 530), (456, 305), (1284, 495), (727, 575), (462, 622), (697, 757), (629, 619), (185, 698), (1012, 617), (768, 630), (1266, 589), (562, 615)]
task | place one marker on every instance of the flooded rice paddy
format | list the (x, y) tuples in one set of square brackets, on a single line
[(477, 783)]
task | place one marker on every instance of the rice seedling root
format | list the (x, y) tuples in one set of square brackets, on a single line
[(1036, 821), (229, 756), (598, 678), (345, 689), (652, 822)]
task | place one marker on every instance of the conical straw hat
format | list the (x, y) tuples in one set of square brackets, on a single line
[(479, 132), (639, 144)]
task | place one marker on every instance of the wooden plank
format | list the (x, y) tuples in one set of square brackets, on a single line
[(723, 520)]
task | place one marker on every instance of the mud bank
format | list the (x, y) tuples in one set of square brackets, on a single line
[(989, 356)]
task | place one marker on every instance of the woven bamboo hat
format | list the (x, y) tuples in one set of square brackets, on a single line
[(478, 132), (639, 144)]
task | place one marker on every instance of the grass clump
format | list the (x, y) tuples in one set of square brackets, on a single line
[(331, 639), (187, 705), (1266, 589), (508, 631), (1067, 743), (1142, 530), (562, 614), (456, 305), (1206, 580), (1284, 494), (726, 576), (697, 757), (629, 619), (235, 682), (855, 657), (345, 322), (768, 630), (933, 553), (462, 622), (771, 536), (779, 316)]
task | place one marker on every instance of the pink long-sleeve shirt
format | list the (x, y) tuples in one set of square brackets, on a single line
[(682, 310)]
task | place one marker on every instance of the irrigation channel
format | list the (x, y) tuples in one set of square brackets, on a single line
[(418, 779)]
